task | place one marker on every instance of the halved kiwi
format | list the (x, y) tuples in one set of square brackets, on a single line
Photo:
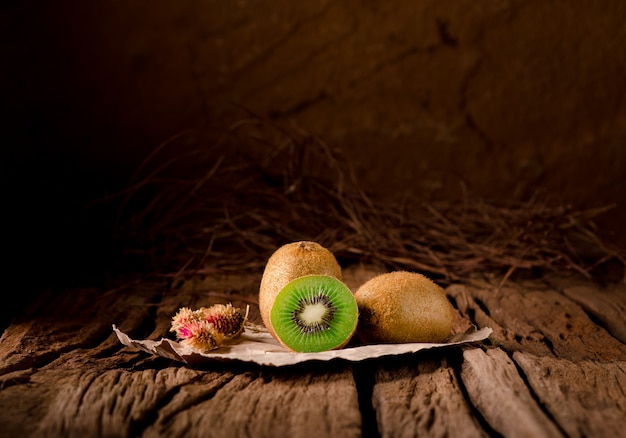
[(291, 261), (314, 313)]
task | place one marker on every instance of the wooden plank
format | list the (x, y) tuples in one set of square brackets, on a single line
[(587, 399), (606, 304), (76, 318), (73, 394), (267, 403), (421, 396), (533, 317), (63, 372), (73, 399), (500, 394), (89, 402)]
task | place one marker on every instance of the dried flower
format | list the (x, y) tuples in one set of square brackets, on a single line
[(202, 336), (206, 328), (226, 318), (181, 320)]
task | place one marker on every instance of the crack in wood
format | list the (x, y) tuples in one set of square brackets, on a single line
[(421, 397), (583, 398), (534, 395), (536, 319), (482, 306), (604, 305), (363, 374), (496, 389), (478, 416)]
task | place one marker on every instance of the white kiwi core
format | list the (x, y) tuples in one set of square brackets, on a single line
[(313, 314)]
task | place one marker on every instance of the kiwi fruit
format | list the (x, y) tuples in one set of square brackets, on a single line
[(293, 261), (289, 262), (401, 306), (314, 313)]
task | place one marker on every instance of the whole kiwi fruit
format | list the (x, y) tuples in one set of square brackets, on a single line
[(303, 301), (402, 306)]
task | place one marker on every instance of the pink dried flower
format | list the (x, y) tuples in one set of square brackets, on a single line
[(184, 316), (227, 319), (205, 329), (202, 336)]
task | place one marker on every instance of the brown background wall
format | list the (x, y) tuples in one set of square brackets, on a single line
[(503, 97)]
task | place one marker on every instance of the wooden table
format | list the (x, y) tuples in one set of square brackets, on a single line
[(555, 365)]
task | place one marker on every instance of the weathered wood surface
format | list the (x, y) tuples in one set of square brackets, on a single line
[(554, 366)]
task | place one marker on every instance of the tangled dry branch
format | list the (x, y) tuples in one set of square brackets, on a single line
[(208, 210)]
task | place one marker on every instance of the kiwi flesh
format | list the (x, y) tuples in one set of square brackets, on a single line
[(314, 313), (401, 306), (291, 261)]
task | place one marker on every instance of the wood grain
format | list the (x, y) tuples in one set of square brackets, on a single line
[(554, 366), (605, 304), (497, 390), (422, 398), (535, 318), (585, 398)]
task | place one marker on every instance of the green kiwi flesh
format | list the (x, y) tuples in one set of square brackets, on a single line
[(314, 313)]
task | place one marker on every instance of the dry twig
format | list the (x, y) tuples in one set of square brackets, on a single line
[(237, 209)]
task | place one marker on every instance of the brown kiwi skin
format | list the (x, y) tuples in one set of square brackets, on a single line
[(291, 261), (401, 307)]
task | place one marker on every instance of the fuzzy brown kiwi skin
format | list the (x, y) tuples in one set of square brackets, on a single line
[(401, 306), (291, 261)]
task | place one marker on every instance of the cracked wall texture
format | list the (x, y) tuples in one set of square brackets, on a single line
[(501, 97)]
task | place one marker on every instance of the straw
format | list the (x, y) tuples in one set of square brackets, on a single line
[(208, 210)]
